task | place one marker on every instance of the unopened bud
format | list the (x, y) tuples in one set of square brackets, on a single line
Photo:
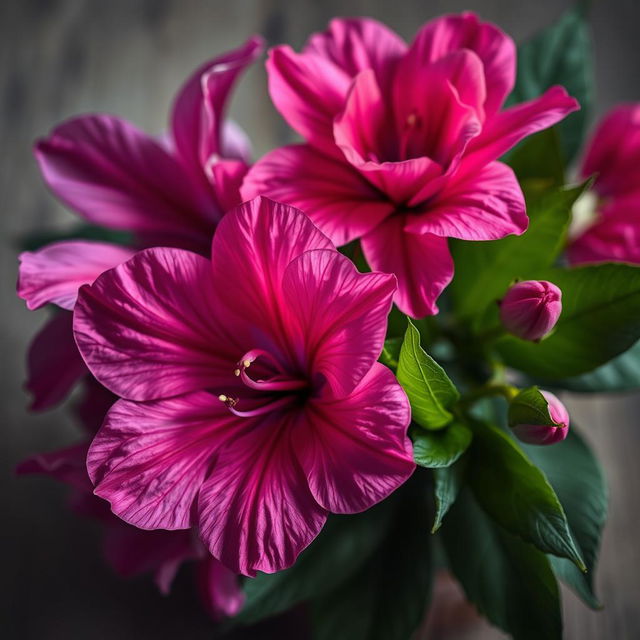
[(546, 433), (530, 309)]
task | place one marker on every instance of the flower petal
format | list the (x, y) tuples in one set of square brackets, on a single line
[(497, 51), (54, 364), (355, 450), (341, 313), (116, 176), (486, 205), (332, 193), (150, 459), (149, 328), (219, 589), (256, 510), (422, 264), (56, 272)]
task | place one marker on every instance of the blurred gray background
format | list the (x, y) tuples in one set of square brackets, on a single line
[(63, 57)]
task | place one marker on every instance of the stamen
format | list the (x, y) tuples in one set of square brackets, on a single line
[(266, 408), (228, 401)]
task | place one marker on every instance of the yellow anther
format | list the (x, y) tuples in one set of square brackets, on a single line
[(246, 363), (236, 372), (223, 398)]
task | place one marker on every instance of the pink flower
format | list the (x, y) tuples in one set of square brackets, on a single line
[(530, 309), (402, 143), (546, 433), (131, 551), (170, 192), (613, 156), (252, 404)]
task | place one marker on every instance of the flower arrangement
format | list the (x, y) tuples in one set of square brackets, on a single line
[(325, 377)]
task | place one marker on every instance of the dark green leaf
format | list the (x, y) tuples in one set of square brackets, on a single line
[(428, 387), (537, 161), (516, 494), (560, 54), (38, 239), (391, 352), (509, 581), (600, 319), (530, 407), (447, 484), (484, 270), (579, 483), (441, 448), (339, 551)]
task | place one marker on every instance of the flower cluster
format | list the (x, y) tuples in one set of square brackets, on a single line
[(250, 368)]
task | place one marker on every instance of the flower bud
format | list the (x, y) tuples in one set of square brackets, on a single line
[(530, 309), (546, 433)]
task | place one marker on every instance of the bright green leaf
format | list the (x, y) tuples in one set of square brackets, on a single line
[(391, 352), (425, 382), (516, 494), (537, 161), (447, 484), (441, 448), (508, 580)]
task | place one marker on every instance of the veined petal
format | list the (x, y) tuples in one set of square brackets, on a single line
[(150, 459), (422, 264), (355, 451), (331, 192), (256, 510), (56, 272), (485, 205), (150, 327), (339, 314)]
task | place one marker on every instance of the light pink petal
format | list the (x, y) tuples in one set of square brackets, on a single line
[(116, 176), (451, 33), (150, 459), (339, 313), (54, 364), (66, 465), (198, 111), (150, 327), (355, 451), (235, 143), (422, 264), (256, 510), (56, 272), (308, 90), (251, 249), (219, 589), (333, 194), (614, 152), (356, 44), (486, 205), (507, 128)]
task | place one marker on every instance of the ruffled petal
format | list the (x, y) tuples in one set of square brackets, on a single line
[(150, 328), (486, 205), (355, 451), (116, 176), (54, 364), (340, 315), (256, 510), (150, 459), (333, 194), (56, 272), (422, 264)]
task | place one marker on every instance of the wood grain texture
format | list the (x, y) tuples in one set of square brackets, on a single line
[(59, 58)]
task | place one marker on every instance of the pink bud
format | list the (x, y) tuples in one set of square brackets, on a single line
[(546, 433), (530, 309)]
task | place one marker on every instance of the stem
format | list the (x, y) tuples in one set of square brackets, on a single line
[(490, 389)]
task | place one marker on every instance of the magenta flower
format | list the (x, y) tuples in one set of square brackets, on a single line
[(171, 192), (530, 309), (252, 404), (613, 156), (543, 434), (403, 143)]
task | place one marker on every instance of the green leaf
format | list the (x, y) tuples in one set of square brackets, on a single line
[(484, 270), (441, 448), (600, 319), (516, 494), (387, 598), (37, 239), (425, 382), (530, 407), (509, 581), (620, 374), (560, 54), (339, 551), (391, 352), (447, 484), (537, 161), (579, 483)]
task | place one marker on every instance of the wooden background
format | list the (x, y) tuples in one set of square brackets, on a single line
[(59, 58)]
